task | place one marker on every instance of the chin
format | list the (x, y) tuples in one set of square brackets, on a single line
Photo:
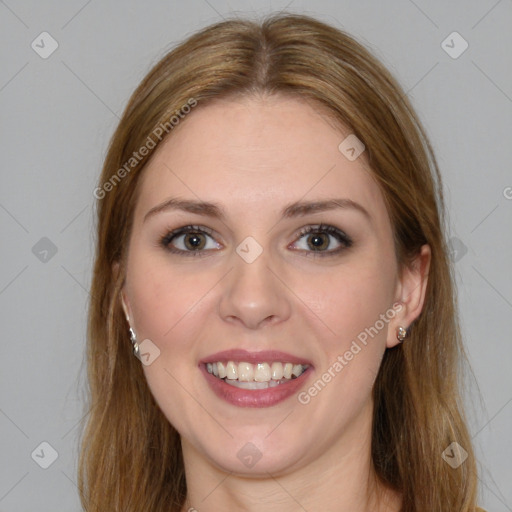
[(256, 461)]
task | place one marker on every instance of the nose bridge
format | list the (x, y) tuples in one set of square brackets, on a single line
[(252, 294)]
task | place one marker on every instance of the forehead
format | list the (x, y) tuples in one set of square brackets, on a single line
[(257, 153)]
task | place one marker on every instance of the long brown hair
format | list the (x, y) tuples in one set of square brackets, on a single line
[(131, 456)]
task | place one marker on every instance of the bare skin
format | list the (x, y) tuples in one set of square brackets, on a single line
[(309, 295)]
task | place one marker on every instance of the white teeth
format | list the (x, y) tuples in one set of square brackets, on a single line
[(247, 385), (262, 372), (276, 371), (243, 372), (231, 371), (296, 370), (221, 369), (254, 385)]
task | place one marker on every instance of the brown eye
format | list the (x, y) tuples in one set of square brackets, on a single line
[(194, 241), (318, 241), (322, 240), (190, 241)]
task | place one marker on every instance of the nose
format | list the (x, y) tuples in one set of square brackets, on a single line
[(253, 296)]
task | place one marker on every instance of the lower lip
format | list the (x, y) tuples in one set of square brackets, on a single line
[(254, 397)]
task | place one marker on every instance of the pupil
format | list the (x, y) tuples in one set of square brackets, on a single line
[(194, 241), (318, 241)]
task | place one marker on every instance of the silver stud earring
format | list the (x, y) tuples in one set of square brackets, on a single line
[(401, 334), (135, 344)]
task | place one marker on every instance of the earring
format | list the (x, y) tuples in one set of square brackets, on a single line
[(133, 339), (401, 334)]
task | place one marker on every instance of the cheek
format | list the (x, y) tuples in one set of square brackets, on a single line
[(168, 307), (350, 299), (163, 297), (356, 305)]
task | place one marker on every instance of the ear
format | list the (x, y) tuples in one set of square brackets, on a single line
[(124, 300), (126, 306), (410, 293)]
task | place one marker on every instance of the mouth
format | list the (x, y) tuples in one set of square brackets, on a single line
[(263, 375), (255, 379)]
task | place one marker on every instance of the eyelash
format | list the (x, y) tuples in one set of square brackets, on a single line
[(340, 236), (168, 238)]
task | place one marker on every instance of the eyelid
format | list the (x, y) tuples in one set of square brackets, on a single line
[(171, 234), (342, 238)]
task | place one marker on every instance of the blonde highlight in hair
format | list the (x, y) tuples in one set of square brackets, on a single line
[(131, 456)]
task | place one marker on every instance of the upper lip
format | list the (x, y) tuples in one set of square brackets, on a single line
[(254, 357)]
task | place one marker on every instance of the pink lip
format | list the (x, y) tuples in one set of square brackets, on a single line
[(268, 356), (254, 397)]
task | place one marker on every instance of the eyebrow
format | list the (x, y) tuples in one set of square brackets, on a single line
[(296, 209)]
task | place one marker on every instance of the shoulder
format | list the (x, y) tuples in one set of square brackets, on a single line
[(478, 509)]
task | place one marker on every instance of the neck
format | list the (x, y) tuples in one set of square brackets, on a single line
[(341, 479)]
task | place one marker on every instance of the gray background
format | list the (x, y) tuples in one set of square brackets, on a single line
[(57, 115)]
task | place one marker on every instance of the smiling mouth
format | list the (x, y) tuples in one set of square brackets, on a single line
[(264, 375)]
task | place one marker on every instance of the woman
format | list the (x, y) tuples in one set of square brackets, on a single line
[(271, 241)]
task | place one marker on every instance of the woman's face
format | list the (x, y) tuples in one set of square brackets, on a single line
[(287, 265)]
